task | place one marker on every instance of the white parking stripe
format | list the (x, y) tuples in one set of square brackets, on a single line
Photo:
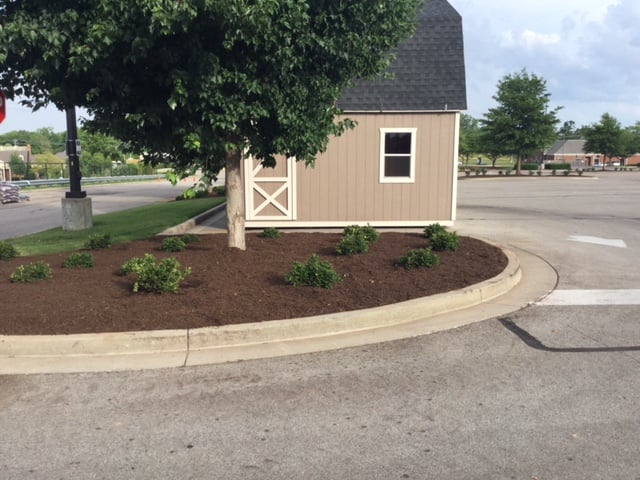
[(607, 242), (592, 297)]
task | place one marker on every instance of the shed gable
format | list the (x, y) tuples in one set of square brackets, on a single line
[(428, 72)]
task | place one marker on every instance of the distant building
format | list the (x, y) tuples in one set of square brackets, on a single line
[(572, 151)]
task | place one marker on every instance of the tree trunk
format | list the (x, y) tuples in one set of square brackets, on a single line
[(235, 200)]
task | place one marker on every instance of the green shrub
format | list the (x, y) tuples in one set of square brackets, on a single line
[(352, 244), (190, 238), (420, 257), (97, 242), (527, 166), (270, 232), (313, 273), (444, 241), (7, 251), (79, 260), (433, 229), (220, 190), (370, 234), (173, 244), (557, 166), (32, 272), (153, 276)]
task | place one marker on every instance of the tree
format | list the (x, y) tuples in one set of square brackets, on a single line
[(469, 133), (630, 142), (17, 165), (202, 83), (489, 144), (604, 137), (568, 131), (522, 121)]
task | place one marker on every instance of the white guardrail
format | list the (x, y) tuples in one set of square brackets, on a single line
[(65, 181)]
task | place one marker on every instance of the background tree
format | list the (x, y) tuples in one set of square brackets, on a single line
[(522, 122), (17, 165), (604, 137), (469, 133), (490, 145), (202, 83), (568, 131), (630, 142)]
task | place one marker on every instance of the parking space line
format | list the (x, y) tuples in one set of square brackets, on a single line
[(592, 297)]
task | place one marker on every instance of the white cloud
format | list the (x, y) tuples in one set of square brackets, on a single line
[(587, 50), (532, 39)]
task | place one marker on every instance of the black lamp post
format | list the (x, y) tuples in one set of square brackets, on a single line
[(73, 152)]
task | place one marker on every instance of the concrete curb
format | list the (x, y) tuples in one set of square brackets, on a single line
[(185, 226), (176, 348)]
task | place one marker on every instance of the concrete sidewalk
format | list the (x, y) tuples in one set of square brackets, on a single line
[(526, 280)]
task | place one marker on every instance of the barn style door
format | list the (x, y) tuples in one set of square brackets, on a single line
[(270, 191)]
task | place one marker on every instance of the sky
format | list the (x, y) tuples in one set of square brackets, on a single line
[(588, 51)]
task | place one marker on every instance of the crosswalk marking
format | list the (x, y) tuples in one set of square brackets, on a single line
[(592, 297)]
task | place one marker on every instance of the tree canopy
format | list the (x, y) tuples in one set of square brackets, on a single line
[(604, 137), (202, 83), (609, 138), (469, 136), (522, 122)]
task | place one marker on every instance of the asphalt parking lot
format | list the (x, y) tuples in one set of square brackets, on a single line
[(547, 392)]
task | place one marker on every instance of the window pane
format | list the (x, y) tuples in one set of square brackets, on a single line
[(397, 143), (397, 166)]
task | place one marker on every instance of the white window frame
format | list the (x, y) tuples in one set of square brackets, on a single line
[(412, 156)]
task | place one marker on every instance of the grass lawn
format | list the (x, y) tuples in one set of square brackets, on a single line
[(124, 226)]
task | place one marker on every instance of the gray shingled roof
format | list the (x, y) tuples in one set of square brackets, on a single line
[(567, 147), (428, 70)]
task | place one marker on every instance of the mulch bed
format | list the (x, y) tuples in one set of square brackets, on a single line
[(228, 286)]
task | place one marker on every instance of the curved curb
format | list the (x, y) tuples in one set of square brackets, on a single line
[(175, 348), (187, 225)]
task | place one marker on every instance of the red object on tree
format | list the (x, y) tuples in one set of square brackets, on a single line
[(3, 107)]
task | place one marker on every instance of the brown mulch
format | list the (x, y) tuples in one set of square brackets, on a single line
[(228, 286)]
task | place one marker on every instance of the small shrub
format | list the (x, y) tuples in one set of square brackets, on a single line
[(371, 235), (32, 272), (173, 244), (434, 229), (528, 166), (270, 232), (313, 273), (97, 242), (79, 260), (219, 190), (153, 276), (444, 241), (7, 251), (352, 244), (190, 238), (420, 257), (557, 166)]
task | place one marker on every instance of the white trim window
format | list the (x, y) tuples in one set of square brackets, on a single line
[(397, 155)]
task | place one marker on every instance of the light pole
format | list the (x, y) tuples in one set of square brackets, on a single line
[(73, 153), (76, 206)]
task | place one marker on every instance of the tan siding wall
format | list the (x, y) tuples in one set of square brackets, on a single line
[(344, 185)]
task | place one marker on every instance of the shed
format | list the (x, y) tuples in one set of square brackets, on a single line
[(398, 167)]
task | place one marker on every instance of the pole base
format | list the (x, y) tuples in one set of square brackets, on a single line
[(76, 214)]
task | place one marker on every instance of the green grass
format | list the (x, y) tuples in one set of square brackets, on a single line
[(124, 226)]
